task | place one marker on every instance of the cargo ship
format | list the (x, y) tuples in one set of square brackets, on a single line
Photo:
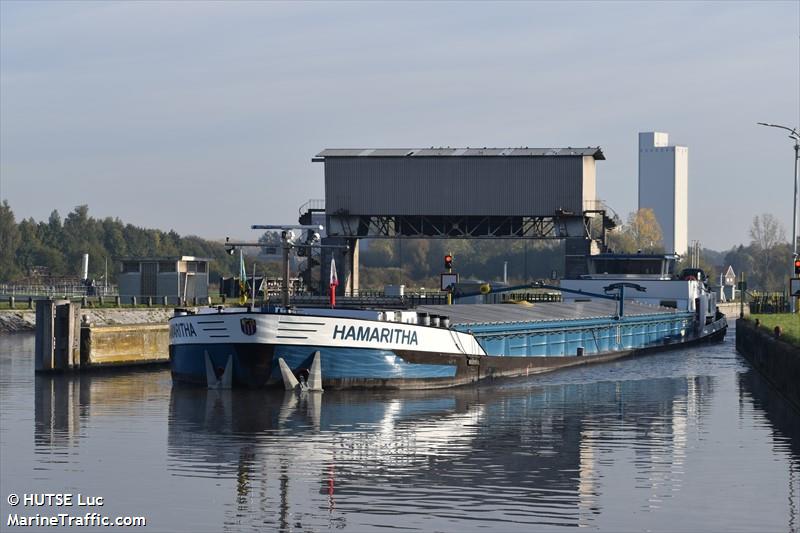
[(626, 306)]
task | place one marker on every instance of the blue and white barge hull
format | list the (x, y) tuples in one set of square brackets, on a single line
[(399, 349), (355, 351)]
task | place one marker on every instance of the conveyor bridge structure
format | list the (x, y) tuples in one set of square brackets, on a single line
[(455, 193)]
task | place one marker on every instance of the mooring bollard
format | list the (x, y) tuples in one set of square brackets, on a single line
[(117, 301), (11, 302)]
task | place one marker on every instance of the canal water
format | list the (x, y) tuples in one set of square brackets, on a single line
[(690, 440)]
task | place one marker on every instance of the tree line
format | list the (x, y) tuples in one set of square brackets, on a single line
[(419, 262), (58, 244), (766, 260)]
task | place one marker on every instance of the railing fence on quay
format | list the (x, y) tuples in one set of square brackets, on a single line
[(24, 296), (55, 290), (768, 302), (363, 299)]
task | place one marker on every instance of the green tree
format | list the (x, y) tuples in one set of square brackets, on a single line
[(767, 237), (741, 259), (58, 245), (704, 264), (9, 242)]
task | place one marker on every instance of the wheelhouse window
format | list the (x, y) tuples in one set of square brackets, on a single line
[(628, 266)]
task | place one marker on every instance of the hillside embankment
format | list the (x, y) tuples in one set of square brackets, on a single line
[(776, 358)]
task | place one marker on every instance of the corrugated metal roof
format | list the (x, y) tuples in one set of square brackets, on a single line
[(595, 152), (474, 314)]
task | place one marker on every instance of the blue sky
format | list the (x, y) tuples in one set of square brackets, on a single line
[(203, 116)]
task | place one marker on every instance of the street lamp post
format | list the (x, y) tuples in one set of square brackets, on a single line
[(796, 138)]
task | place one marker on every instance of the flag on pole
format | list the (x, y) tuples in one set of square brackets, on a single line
[(242, 280), (333, 283)]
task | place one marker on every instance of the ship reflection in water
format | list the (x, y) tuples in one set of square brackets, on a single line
[(680, 441), (523, 456)]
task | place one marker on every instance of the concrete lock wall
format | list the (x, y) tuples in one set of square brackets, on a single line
[(57, 335), (777, 360), (124, 345), (64, 343)]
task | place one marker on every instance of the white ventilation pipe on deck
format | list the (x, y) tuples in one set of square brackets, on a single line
[(85, 267)]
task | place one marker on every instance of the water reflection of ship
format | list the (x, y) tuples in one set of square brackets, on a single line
[(539, 447), (537, 451), (417, 420)]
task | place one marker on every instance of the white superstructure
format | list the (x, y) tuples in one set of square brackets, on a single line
[(664, 187), (654, 274), (319, 327)]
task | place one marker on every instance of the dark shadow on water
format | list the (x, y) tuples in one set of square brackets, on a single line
[(63, 401), (783, 418)]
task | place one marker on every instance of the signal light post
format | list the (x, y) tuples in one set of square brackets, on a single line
[(794, 285), (448, 266)]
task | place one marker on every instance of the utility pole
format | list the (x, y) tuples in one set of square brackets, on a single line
[(796, 138)]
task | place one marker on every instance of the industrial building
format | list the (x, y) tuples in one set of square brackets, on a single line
[(664, 187), (180, 278), (462, 182), (536, 193)]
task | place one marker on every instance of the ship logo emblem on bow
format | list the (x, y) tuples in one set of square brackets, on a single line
[(248, 326)]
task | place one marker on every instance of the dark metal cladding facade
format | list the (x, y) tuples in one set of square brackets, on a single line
[(467, 185)]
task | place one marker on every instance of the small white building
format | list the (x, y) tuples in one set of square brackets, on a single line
[(180, 278), (664, 187)]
